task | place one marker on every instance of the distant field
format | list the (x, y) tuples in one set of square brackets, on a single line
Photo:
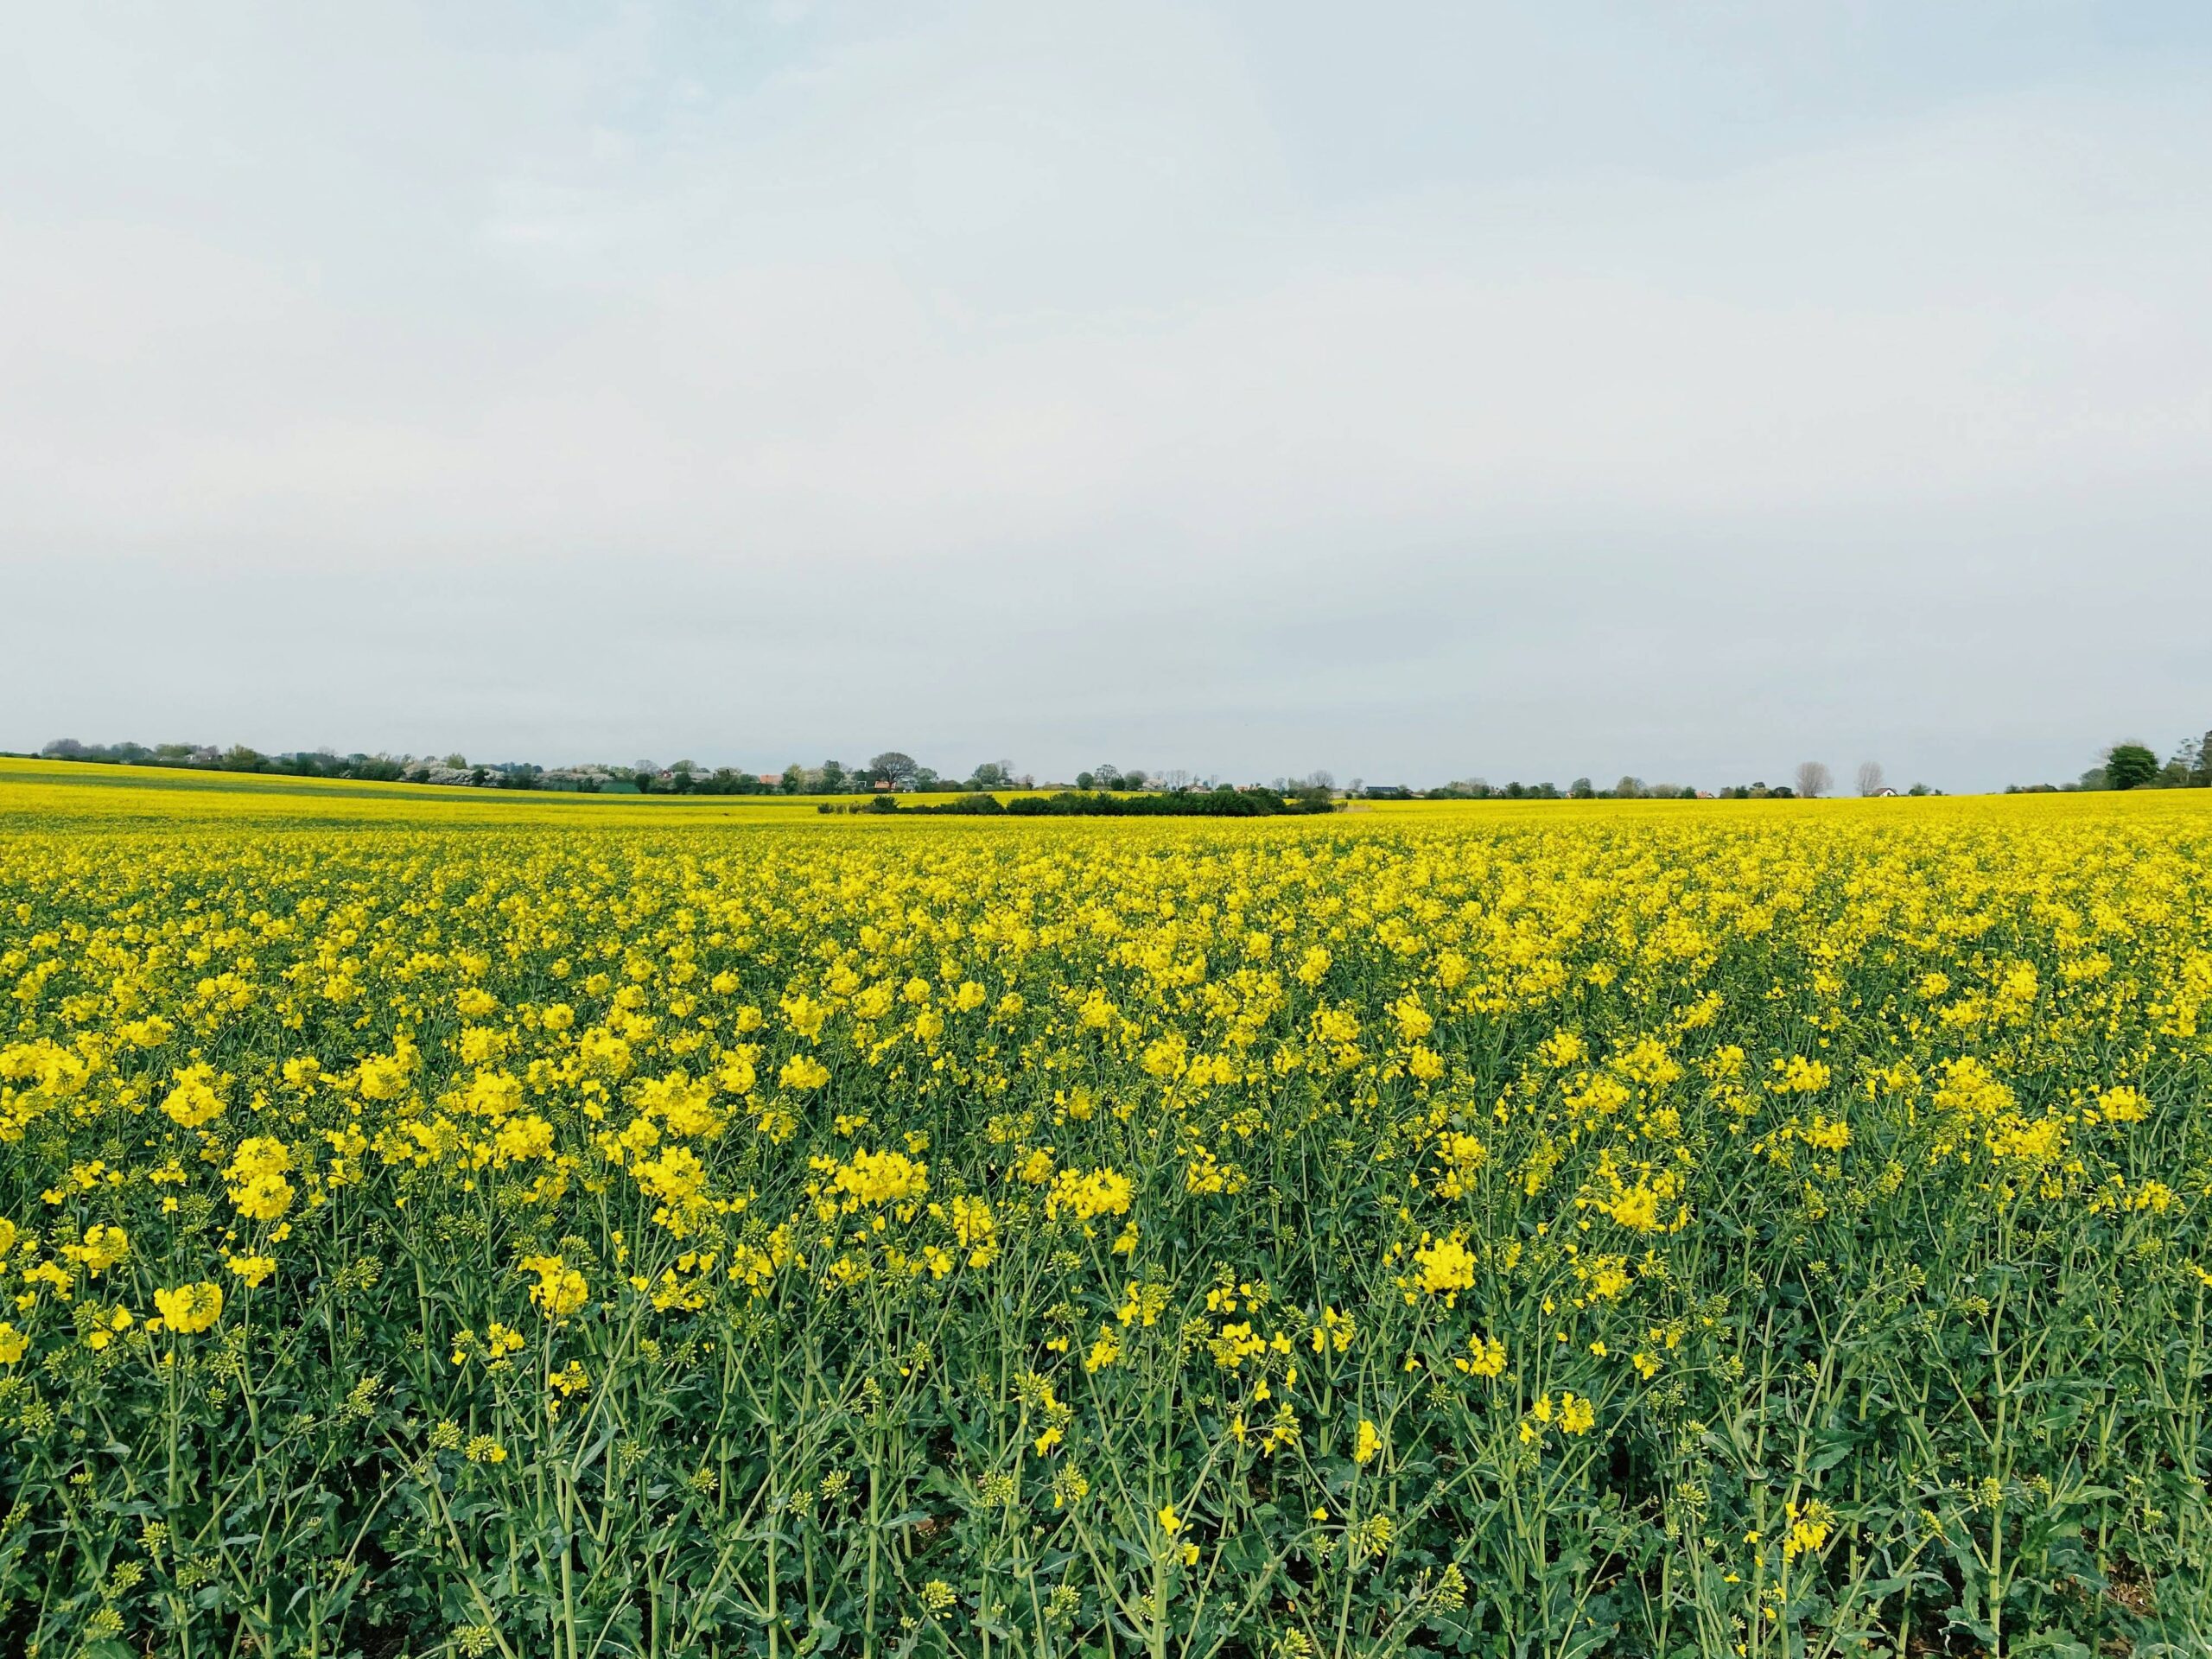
[(435, 1222), (79, 790)]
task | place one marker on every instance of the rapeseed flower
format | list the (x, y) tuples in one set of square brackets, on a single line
[(190, 1308)]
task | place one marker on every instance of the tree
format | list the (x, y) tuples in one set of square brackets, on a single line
[(896, 768), (1628, 789), (1814, 779), (794, 779), (1581, 790), (459, 762), (2130, 766), (992, 774), (1086, 781), (1870, 776), (2202, 774), (833, 776)]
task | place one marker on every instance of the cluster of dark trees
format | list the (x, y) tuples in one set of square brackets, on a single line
[(1256, 801), (2136, 766)]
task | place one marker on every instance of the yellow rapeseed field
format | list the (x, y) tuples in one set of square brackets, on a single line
[(432, 1222)]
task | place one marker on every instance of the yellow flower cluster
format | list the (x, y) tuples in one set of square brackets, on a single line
[(190, 1308)]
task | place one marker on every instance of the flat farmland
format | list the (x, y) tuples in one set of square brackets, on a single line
[(440, 1222)]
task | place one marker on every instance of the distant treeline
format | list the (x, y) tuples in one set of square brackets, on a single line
[(1254, 803), (890, 771), (2134, 766), (327, 763), (202, 757)]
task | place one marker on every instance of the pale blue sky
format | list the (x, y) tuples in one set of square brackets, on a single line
[(1417, 391)]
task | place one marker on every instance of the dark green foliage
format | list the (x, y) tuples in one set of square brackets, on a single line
[(2130, 766)]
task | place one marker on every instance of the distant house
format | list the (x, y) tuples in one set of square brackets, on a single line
[(1886, 792), (883, 784), (773, 779)]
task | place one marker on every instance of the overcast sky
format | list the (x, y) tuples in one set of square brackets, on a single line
[(1417, 391)]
